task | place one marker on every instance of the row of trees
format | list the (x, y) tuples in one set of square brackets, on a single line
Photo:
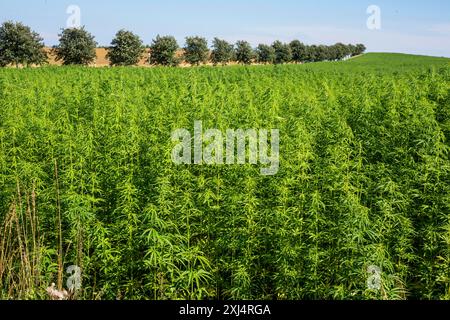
[(19, 45)]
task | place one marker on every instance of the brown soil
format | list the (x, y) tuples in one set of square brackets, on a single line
[(100, 61)]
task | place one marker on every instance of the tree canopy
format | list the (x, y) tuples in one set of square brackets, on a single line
[(19, 45), (299, 53), (265, 54), (196, 50), (222, 53), (244, 52), (283, 53), (76, 47), (126, 49), (163, 51)]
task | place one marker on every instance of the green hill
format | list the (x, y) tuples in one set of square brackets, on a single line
[(383, 62), (400, 60)]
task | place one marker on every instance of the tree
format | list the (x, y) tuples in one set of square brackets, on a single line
[(332, 53), (244, 52), (283, 53), (312, 53), (163, 51), (350, 50), (196, 50), (360, 49), (322, 53), (265, 54), (223, 52), (19, 45), (342, 51), (126, 49), (76, 46), (298, 50)]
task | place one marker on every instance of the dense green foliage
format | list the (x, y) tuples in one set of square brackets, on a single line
[(222, 53), (283, 52), (126, 49), (163, 51), (76, 47), (19, 45), (86, 178), (196, 50), (299, 51), (244, 52), (265, 54)]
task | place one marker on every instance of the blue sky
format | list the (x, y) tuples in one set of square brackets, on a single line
[(420, 27)]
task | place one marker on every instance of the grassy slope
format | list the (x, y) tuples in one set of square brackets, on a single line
[(399, 59), (382, 62)]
